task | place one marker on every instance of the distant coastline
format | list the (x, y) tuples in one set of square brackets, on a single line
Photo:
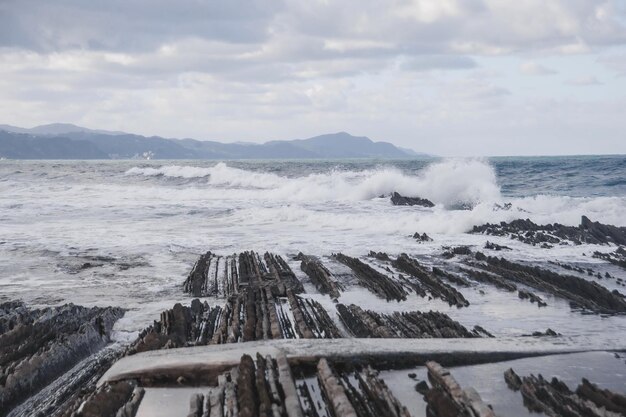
[(66, 141)]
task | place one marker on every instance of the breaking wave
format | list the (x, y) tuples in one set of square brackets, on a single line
[(450, 182)]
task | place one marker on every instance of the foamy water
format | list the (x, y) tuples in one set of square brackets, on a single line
[(154, 218)]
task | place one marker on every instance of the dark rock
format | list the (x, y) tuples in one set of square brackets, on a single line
[(552, 234), (480, 331), (533, 298), (513, 381), (378, 283), (36, 346), (422, 238), (399, 200), (490, 278), (381, 256), (617, 257), (422, 387), (549, 332), (605, 398), (495, 246), (554, 398), (430, 281), (581, 293), (412, 324), (447, 398)]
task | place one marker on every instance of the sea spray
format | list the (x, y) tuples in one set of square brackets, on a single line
[(449, 182)]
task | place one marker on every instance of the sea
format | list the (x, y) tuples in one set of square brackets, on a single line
[(127, 233)]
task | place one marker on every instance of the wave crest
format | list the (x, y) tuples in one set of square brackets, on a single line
[(449, 182)]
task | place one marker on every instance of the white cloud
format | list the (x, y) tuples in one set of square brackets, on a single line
[(533, 68), (584, 81), (252, 69)]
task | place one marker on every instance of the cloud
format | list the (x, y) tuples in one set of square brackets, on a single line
[(615, 62), (275, 68), (584, 81), (433, 62), (532, 68)]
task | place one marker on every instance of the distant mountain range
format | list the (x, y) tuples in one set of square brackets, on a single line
[(67, 141)]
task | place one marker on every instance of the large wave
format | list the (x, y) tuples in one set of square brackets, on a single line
[(449, 182)]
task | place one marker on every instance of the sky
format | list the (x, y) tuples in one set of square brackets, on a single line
[(448, 77)]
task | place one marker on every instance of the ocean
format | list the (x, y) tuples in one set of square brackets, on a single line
[(127, 233)]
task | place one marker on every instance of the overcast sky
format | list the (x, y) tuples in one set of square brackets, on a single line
[(451, 77)]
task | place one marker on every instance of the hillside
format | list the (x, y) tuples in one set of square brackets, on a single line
[(66, 141)]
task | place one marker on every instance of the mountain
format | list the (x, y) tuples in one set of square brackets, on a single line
[(66, 141), (55, 129)]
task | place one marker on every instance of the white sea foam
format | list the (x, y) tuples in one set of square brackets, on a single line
[(449, 182)]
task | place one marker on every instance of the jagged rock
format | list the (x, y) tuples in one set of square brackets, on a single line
[(399, 200), (490, 278), (480, 331), (448, 399), (36, 346), (119, 399), (422, 238), (252, 315), (430, 281), (581, 293), (381, 256), (533, 298), (617, 257), (422, 387), (611, 401), (454, 278), (378, 283), (554, 398), (319, 275), (413, 324), (334, 391), (551, 234), (495, 246), (549, 332), (513, 381), (214, 275), (456, 250)]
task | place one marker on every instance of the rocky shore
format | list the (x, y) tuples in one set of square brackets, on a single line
[(39, 345), (55, 357), (556, 234)]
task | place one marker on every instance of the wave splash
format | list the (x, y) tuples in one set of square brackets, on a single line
[(449, 182)]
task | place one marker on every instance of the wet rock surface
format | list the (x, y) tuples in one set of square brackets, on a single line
[(39, 345), (581, 293), (554, 398), (253, 315), (400, 200), (215, 275), (378, 283), (120, 399), (430, 281), (319, 275), (255, 298), (617, 257), (554, 234), (413, 324), (447, 398)]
